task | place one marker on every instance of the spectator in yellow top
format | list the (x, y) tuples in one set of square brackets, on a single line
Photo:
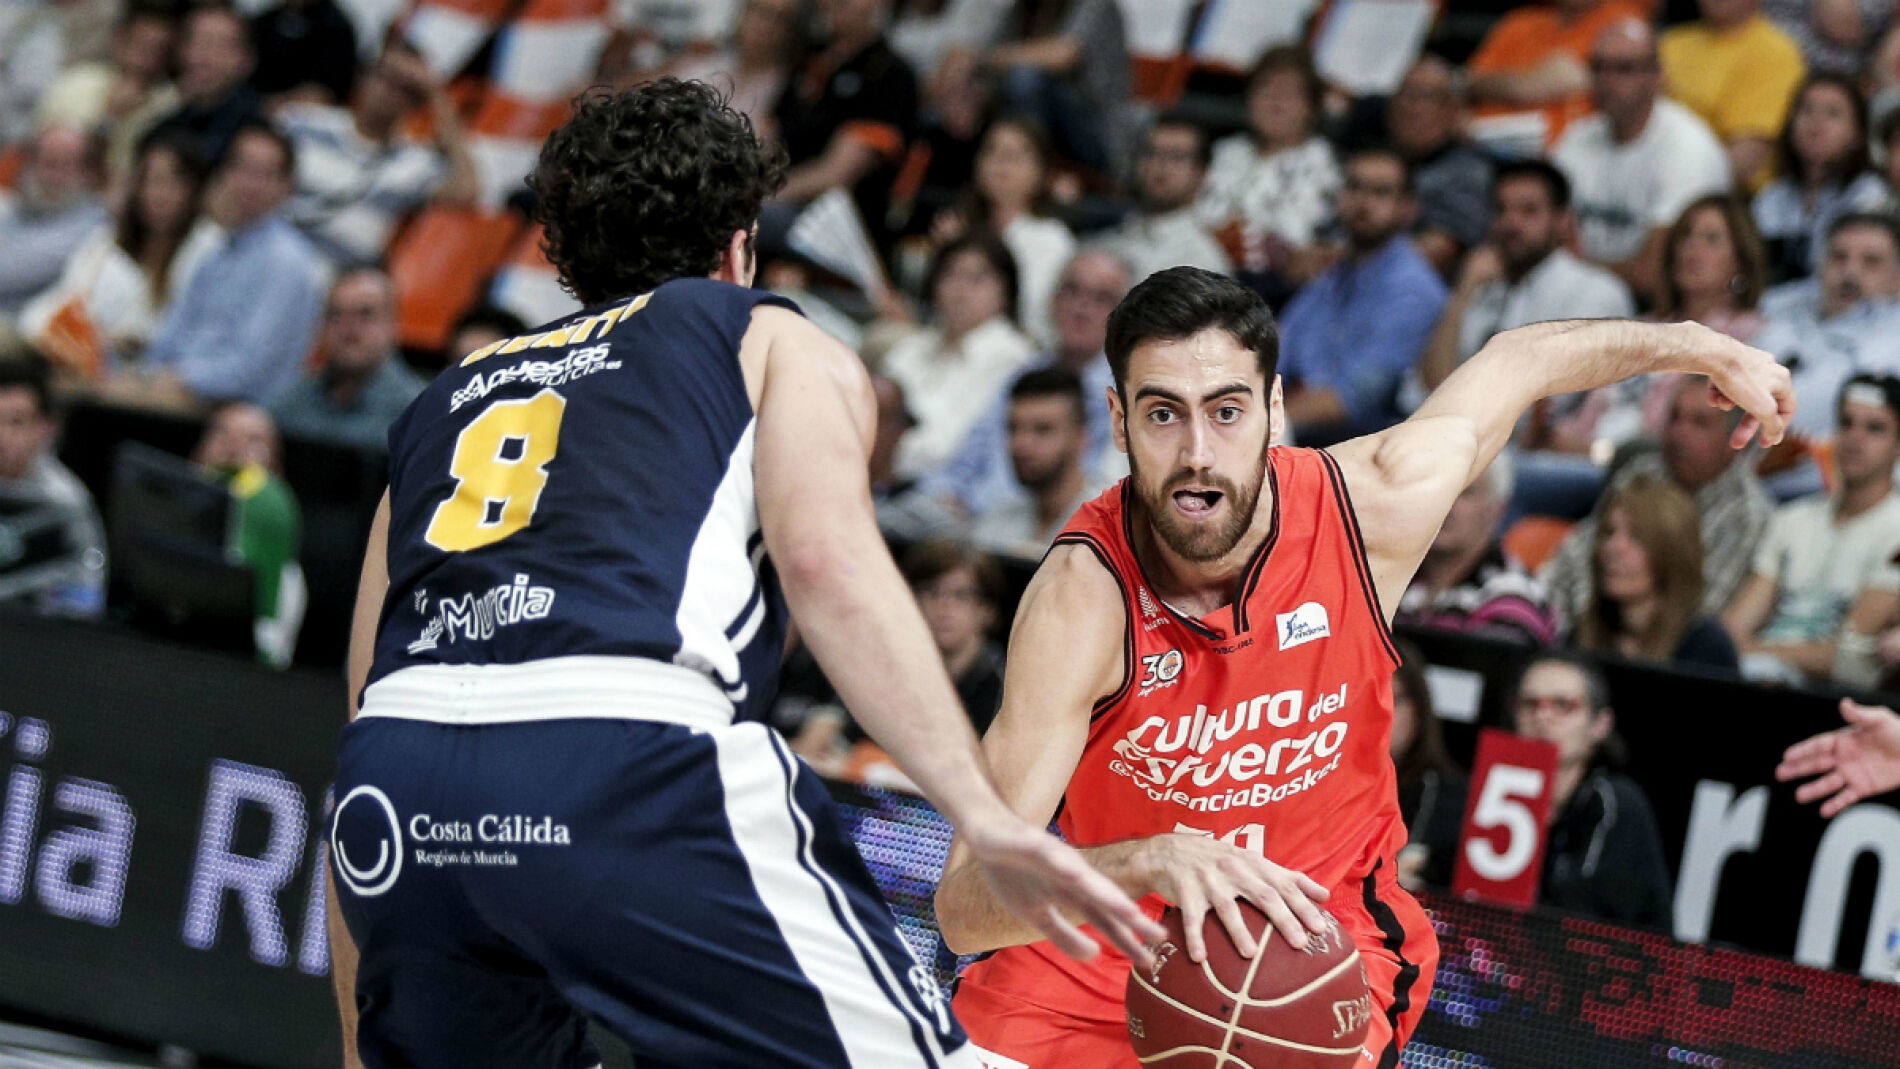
[(1739, 73)]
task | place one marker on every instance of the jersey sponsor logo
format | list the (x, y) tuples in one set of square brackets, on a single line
[(373, 880), (490, 838), (576, 365), (1174, 761), (479, 616), (1305, 624), (1163, 670)]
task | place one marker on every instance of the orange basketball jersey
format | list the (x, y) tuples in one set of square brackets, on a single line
[(1265, 723)]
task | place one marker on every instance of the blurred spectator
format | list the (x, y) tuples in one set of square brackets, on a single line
[(363, 384), (483, 326), (1824, 175), (1432, 790), (1835, 36), (1425, 121), (1604, 857), (906, 513), (768, 43), (1844, 321), (1270, 189), (1889, 141), (38, 40), (359, 175), (1066, 63), (240, 446), (245, 321), (1714, 268), (1524, 274), (1528, 78), (123, 97), (1349, 336), (1732, 506), (1010, 197), (215, 62), (1646, 582), (845, 118), (306, 51), (121, 279), (1468, 583), (926, 31), (1738, 72), (54, 559), (1170, 169), (952, 370), (978, 478), (56, 207), (1829, 559), (1637, 163), (1048, 437)]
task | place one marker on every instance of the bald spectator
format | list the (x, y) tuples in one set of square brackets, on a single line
[(215, 62), (1528, 76), (55, 209), (1170, 168), (1637, 163), (246, 320), (1738, 72), (363, 384), (1425, 121)]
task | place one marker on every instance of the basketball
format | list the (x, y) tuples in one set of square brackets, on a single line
[(1285, 1008)]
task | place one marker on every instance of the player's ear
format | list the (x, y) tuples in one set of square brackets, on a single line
[(1117, 420), (1276, 413), (736, 263)]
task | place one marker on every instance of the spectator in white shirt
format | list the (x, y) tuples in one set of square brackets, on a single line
[(1048, 439), (1009, 195), (951, 371), (1170, 168), (1638, 162), (1824, 175)]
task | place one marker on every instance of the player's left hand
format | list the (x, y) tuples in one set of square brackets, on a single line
[(1746, 377), (1043, 880)]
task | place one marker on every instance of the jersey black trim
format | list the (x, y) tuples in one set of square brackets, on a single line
[(1394, 932), (1258, 566), (1081, 538), (1360, 563)]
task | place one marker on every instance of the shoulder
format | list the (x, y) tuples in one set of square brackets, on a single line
[(60, 486), (1766, 41), (1076, 589), (1706, 644), (1234, 150), (1587, 137), (1673, 120)]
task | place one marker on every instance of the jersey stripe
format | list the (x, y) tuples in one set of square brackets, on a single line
[(1360, 563), (1394, 933), (1128, 612)]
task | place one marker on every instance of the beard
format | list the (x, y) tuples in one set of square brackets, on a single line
[(1208, 540)]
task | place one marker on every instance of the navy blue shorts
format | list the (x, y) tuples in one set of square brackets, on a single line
[(691, 890)]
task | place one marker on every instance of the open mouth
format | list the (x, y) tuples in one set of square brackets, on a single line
[(1197, 502)]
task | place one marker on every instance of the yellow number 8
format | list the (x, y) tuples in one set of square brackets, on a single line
[(496, 494)]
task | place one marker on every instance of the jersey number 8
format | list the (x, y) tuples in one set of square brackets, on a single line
[(500, 469)]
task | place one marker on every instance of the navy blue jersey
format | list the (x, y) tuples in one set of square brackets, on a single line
[(587, 490)]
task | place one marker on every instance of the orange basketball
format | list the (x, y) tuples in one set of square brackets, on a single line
[(1285, 1008)]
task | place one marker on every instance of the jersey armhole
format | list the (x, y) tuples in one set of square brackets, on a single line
[(1361, 564), (1076, 538)]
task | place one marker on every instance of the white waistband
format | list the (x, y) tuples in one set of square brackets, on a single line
[(557, 688)]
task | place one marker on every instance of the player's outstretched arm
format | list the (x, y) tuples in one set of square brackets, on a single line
[(1853, 762), (1403, 480), (854, 611), (1065, 654)]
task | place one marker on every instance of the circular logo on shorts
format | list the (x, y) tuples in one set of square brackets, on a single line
[(373, 810)]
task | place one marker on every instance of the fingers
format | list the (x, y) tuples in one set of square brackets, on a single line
[(1834, 805), (1193, 909), (1820, 788), (1807, 757), (1065, 936), (1236, 923), (1312, 887), (1855, 713), (1746, 430), (1285, 921)]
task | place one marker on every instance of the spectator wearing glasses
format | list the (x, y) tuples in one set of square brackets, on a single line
[(1170, 169)]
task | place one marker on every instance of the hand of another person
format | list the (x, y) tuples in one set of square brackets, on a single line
[(1483, 266), (1040, 879), (1853, 762), (1198, 873)]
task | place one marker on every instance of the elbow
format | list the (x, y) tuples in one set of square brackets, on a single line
[(958, 934)]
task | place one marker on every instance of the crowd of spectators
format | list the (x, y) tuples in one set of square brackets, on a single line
[(207, 208)]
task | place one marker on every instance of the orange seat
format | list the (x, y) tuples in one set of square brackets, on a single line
[(440, 263), (1534, 539)]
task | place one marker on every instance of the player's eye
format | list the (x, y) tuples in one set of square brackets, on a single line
[(1160, 416), (1227, 413)]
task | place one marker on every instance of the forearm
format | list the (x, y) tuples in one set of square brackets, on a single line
[(841, 167), (974, 922), (463, 183), (1814, 659), (1055, 54), (1518, 367)]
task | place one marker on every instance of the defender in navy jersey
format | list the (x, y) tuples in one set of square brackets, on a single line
[(555, 801)]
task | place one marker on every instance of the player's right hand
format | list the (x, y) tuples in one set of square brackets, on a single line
[(1743, 376), (1854, 762), (1198, 873), (1043, 881)]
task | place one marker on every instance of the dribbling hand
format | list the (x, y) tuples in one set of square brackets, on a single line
[(1042, 880), (1198, 873), (1854, 762)]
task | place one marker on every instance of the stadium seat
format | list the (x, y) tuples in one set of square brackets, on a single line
[(1534, 539), (440, 263)]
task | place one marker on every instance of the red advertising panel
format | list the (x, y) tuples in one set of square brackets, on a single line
[(1507, 818)]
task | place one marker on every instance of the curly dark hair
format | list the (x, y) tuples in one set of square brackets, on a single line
[(648, 184)]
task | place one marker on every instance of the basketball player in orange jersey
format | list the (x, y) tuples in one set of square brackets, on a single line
[(1199, 676)]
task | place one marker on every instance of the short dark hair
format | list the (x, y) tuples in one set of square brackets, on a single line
[(1180, 302), (1555, 184), (1385, 150), (988, 245), (1887, 385), (495, 318), (1052, 382), (1885, 222), (263, 129), (927, 562), (1181, 120), (648, 184), (1595, 687), (29, 373), (1297, 59)]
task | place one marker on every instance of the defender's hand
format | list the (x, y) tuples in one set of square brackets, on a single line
[(1854, 762), (1198, 873), (1039, 878)]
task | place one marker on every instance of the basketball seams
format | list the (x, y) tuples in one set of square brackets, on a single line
[(1208, 1018), (1242, 998)]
